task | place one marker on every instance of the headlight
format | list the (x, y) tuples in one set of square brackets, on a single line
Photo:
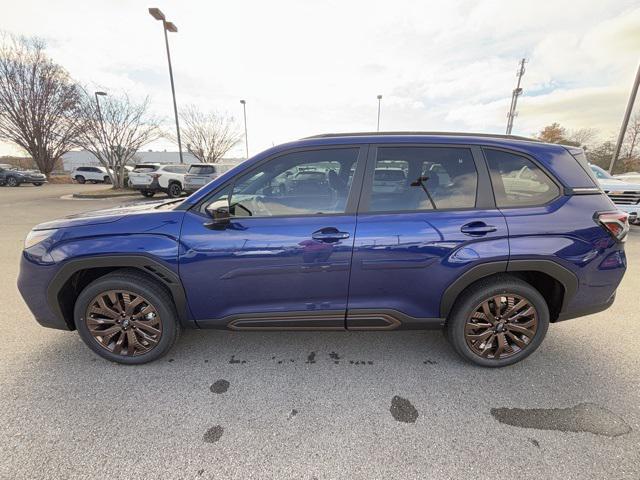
[(37, 236)]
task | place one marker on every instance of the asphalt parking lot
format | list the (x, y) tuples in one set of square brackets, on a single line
[(308, 405)]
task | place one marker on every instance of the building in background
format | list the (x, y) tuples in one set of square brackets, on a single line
[(83, 158)]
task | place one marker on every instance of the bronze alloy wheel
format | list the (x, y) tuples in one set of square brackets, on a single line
[(123, 322), (501, 326)]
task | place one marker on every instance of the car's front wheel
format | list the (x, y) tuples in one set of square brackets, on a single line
[(12, 182), (147, 193), (80, 179), (126, 318), (498, 322)]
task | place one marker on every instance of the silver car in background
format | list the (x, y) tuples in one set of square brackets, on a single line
[(625, 195), (199, 174)]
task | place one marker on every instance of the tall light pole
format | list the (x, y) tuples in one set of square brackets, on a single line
[(379, 101), (625, 120), (101, 94), (169, 27), (246, 139), (514, 97)]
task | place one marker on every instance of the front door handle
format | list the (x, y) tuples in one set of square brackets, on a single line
[(329, 235), (477, 228)]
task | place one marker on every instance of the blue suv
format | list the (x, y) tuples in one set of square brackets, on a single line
[(488, 237)]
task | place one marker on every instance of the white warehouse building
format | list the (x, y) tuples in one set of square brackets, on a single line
[(83, 158)]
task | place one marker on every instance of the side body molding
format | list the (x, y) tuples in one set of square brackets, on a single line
[(140, 262)]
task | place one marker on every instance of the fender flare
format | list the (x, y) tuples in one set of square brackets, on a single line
[(563, 275), (139, 262)]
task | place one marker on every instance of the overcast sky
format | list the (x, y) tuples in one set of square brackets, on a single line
[(308, 67)]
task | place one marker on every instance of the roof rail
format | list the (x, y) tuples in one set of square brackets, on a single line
[(453, 134)]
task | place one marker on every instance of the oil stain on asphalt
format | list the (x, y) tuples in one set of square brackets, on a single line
[(402, 410), (585, 417), (213, 434), (220, 386)]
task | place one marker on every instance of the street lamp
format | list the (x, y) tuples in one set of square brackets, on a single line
[(169, 27), (246, 139), (379, 101)]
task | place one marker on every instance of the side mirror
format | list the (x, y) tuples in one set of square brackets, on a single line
[(221, 217)]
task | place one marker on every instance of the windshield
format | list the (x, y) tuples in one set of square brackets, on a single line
[(600, 173)]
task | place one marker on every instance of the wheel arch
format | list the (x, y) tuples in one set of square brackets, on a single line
[(75, 275), (556, 283)]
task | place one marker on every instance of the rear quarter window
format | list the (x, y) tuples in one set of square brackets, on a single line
[(517, 181)]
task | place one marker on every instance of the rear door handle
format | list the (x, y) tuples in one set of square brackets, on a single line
[(329, 235), (477, 228)]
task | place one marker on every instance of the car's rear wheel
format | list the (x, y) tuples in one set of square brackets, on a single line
[(38, 184), (126, 318), (12, 182), (80, 179), (175, 190), (147, 193), (106, 180), (498, 322)]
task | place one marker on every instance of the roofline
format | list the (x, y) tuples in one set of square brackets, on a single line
[(434, 134)]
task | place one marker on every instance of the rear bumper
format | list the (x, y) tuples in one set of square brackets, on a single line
[(590, 310), (31, 180), (154, 186)]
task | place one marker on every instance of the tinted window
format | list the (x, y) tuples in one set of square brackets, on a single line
[(202, 169), (402, 174), (300, 183), (517, 181), (600, 173), (145, 168), (176, 169)]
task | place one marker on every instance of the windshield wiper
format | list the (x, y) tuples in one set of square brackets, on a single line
[(420, 182)]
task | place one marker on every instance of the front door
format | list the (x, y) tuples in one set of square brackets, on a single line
[(283, 261), (426, 215)]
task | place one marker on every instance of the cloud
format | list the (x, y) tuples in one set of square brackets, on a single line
[(308, 67)]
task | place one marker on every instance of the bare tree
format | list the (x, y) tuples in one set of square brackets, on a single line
[(116, 132), (209, 136), (38, 102), (583, 136)]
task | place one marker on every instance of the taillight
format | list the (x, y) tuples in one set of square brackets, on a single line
[(616, 223), (155, 175)]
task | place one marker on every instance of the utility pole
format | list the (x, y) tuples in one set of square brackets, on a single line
[(379, 101), (514, 97), (625, 120), (246, 138)]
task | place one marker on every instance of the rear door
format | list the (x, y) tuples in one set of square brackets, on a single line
[(283, 261), (414, 238)]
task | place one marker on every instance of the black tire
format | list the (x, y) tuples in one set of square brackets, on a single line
[(80, 179), (139, 284), (38, 184), (147, 193), (12, 182), (174, 190), (107, 180), (484, 290)]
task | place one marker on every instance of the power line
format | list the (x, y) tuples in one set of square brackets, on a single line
[(514, 97)]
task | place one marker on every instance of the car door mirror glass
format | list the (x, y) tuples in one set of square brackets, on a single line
[(219, 212)]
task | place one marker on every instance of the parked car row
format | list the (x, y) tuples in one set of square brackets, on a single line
[(623, 193), (13, 176)]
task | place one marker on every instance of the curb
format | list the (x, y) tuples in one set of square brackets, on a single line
[(104, 195)]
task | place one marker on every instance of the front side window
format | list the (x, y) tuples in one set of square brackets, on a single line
[(299, 183), (202, 170), (423, 178), (517, 181)]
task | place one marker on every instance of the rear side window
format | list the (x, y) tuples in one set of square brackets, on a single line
[(176, 169), (517, 181), (423, 178), (145, 168), (202, 169)]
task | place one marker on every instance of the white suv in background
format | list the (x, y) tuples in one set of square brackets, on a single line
[(150, 178), (90, 174)]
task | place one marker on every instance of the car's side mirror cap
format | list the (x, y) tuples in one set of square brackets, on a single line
[(221, 216)]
